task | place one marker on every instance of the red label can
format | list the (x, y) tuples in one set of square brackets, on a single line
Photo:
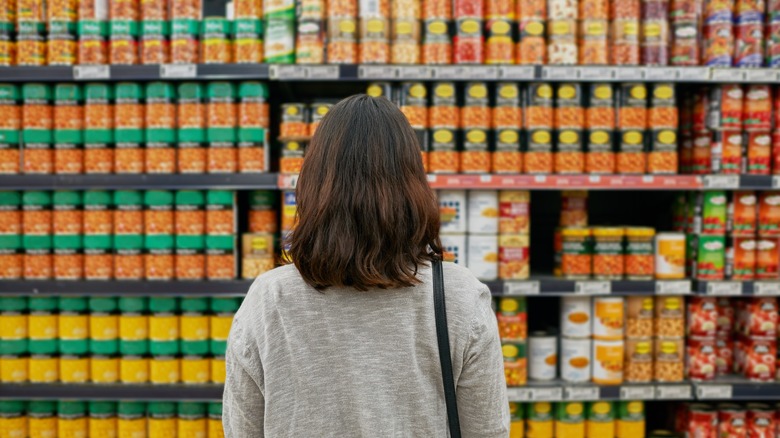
[(725, 316), (758, 108), (702, 316), (701, 358), (732, 421), (761, 317), (760, 356), (760, 421), (724, 351), (702, 421), (759, 152)]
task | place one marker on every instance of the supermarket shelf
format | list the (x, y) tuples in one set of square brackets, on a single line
[(30, 391), (237, 181), (237, 288), (737, 288), (134, 72), (737, 388), (551, 286)]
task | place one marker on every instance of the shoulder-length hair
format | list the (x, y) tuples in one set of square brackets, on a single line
[(366, 215)]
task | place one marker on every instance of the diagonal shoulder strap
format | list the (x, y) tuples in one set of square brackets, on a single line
[(445, 358)]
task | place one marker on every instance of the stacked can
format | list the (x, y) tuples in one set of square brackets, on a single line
[(37, 233), (749, 21), (576, 343), (191, 117), (772, 34), (221, 130), (293, 131), (531, 22), (185, 18), (248, 31), (11, 235), (155, 30), (500, 32), (514, 228), (475, 120), (10, 125), (685, 16), (67, 214), (569, 125), (160, 109), (215, 44), (164, 367), (482, 254), (7, 24), (718, 32), (123, 29), (593, 31), (755, 338), (98, 239), (631, 126), (253, 122), (374, 47), (133, 339), (14, 337), (757, 134), (468, 41), (61, 46), (43, 340), (562, 32), (444, 120), (310, 35), (663, 122), (405, 35), (159, 228), (626, 16), (257, 246), (707, 226), (68, 127), (655, 32), (221, 227), (507, 122), (103, 339), (513, 330), (128, 235), (190, 220), (30, 34), (600, 123), (129, 128), (539, 119), (702, 329), (608, 317), (279, 37), (669, 342), (342, 32), (194, 332), (436, 41), (37, 125), (639, 339), (98, 128)]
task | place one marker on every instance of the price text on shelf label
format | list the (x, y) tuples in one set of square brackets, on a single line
[(178, 70), (721, 181), (694, 73), (680, 287), (766, 288), (637, 393), (705, 392), (546, 394), (673, 392), (83, 72), (724, 288), (728, 74), (581, 393), (377, 72), (415, 72), (519, 72), (518, 394), (521, 288), (593, 287)]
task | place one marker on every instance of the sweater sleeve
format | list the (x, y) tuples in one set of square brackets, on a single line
[(481, 388)]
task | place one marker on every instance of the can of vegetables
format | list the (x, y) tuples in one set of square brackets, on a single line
[(577, 253), (608, 258)]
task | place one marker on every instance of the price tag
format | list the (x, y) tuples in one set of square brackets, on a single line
[(521, 288), (486, 179), (431, 178), (713, 392), (288, 181), (540, 178), (482, 73), (594, 179), (728, 75), (178, 70), (660, 74), (673, 392), (724, 288), (637, 393), (581, 393), (377, 72), (85, 72), (766, 288), (721, 181), (560, 73), (680, 287), (761, 75), (648, 179), (518, 394), (693, 73), (524, 72), (629, 73), (288, 72), (547, 394), (775, 182), (449, 72), (596, 73), (415, 72), (593, 287), (324, 72)]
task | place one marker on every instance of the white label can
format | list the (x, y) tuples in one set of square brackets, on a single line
[(542, 356), (607, 360), (576, 317), (483, 256), (608, 318), (576, 359), (483, 211), (454, 246), (452, 211)]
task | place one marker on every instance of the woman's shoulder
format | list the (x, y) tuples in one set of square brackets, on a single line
[(462, 288), (284, 277)]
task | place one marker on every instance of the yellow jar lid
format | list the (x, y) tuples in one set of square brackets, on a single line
[(640, 232), (576, 232), (608, 232)]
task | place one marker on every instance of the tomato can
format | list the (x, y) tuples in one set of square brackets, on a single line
[(726, 107), (760, 421), (742, 214), (702, 316), (741, 258), (724, 352), (759, 152), (732, 419), (760, 357), (767, 258), (702, 358), (761, 317), (757, 107), (769, 214), (702, 421), (710, 257)]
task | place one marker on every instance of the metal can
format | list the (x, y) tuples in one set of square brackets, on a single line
[(452, 211), (608, 258), (576, 360), (483, 211), (515, 363), (608, 362), (670, 256), (577, 254), (482, 255), (576, 316), (608, 318), (639, 360), (702, 316), (543, 356)]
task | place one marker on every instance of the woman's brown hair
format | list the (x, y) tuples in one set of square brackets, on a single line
[(366, 215)]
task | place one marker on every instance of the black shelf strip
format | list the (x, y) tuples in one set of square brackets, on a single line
[(141, 392), (237, 181), (135, 73), (117, 288)]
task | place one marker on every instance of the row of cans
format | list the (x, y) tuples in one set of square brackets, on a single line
[(743, 213), (727, 420), (599, 419)]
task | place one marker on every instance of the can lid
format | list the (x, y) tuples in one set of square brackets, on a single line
[(97, 197), (73, 304), (220, 90), (43, 304), (67, 197), (195, 242), (9, 92), (10, 198), (68, 408), (13, 304), (131, 408), (163, 304), (162, 408), (42, 407), (67, 92), (194, 305), (190, 197), (34, 197), (102, 407), (98, 92), (215, 409), (219, 197), (158, 241), (14, 406), (225, 305), (159, 90), (129, 241), (158, 197), (103, 304), (98, 241), (261, 197), (220, 242), (640, 232), (34, 91), (190, 91), (252, 89), (608, 231), (10, 241), (576, 232), (129, 91), (128, 197), (133, 304), (192, 409), (36, 242)]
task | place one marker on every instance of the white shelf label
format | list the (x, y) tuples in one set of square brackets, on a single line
[(377, 72), (581, 393), (540, 178), (521, 288), (85, 72), (547, 394), (693, 73), (449, 72), (728, 75), (288, 72), (673, 392), (519, 72), (724, 288), (593, 287), (596, 73), (660, 73), (414, 72), (178, 70), (432, 178), (560, 73), (766, 288), (482, 73), (518, 394), (289, 181), (629, 73), (721, 181), (594, 179), (775, 182), (762, 75), (486, 178), (324, 72), (637, 393), (712, 392), (677, 287)]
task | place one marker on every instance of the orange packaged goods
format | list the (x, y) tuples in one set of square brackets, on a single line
[(98, 218), (663, 108), (436, 9), (253, 123), (436, 44), (291, 160), (444, 111), (413, 101), (221, 131), (160, 128), (539, 106), (569, 157), (608, 253), (98, 128), (220, 215), (310, 42), (539, 156), (640, 261), (374, 47), (507, 108), (10, 213), (61, 47), (31, 44), (68, 126), (158, 215), (405, 43), (190, 216), (632, 120), (514, 212), (10, 123), (128, 212), (662, 158), (475, 157), (444, 156), (342, 40), (513, 257), (185, 9), (512, 319), (294, 121), (600, 120), (123, 10), (191, 117), (569, 119), (593, 43), (92, 42), (154, 48), (262, 215), (508, 155), (577, 254), (215, 41), (532, 47), (67, 216), (568, 111), (574, 208), (476, 106), (129, 132), (499, 47), (317, 111), (36, 213), (37, 124)]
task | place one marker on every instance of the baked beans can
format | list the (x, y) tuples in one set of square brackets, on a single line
[(760, 420), (482, 253), (454, 247), (499, 42), (600, 156), (607, 362), (639, 257), (710, 257), (576, 253), (310, 42), (453, 211), (507, 155), (702, 358), (575, 359), (766, 258), (476, 155), (769, 214), (514, 213), (608, 253), (569, 155), (702, 421), (608, 318), (539, 157), (512, 319), (670, 256), (542, 356), (574, 208), (444, 111), (515, 363), (749, 43), (540, 420), (702, 316), (513, 257), (742, 214), (669, 316), (436, 43), (570, 420), (576, 317), (639, 316), (639, 360), (630, 419), (444, 155)]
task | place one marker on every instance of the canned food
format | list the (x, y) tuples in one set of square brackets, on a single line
[(482, 253), (543, 356), (514, 215), (702, 316), (669, 360), (575, 359), (639, 317), (639, 360), (670, 256), (514, 363), (669, 316), (452, 211), (608, 259), (576, 317), (570, 420), (577, 253), (702, 358), (512, 319), (454, 248), (608, 362)]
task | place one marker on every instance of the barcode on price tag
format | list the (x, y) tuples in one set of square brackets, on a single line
[(761, 75), (377, 72), (546, 394), (524, 72), (84, 72), (324, 72), (693, 73), (415, 72), (521, 288), (178, 70), (660, 74), (714, 392), (766, 288), (673, 392), (629, 73), (581, 393), (677, 287), (593, 287), (724, 288), (721, 181), (637, 393), (518, 394), (728, 74)]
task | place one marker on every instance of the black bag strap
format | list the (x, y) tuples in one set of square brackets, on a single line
[(443, 337)]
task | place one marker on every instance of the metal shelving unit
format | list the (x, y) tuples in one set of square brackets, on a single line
[(141, 392), (237, 288), (134, 72), (234, 181)]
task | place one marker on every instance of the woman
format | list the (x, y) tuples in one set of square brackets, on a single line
[(342, 343)]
